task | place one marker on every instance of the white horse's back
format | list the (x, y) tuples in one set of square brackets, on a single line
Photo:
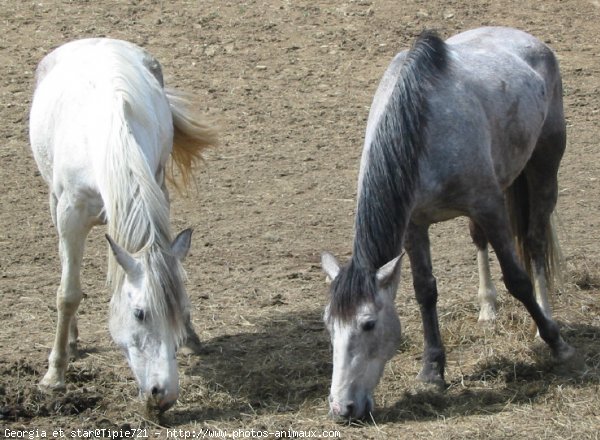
[(80, 87)]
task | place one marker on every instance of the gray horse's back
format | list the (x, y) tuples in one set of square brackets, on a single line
[(502, 40), (501, 92)]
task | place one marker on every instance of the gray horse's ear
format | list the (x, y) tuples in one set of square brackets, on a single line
[(389, 272), (181, 245), (125, 260), (330, 266)]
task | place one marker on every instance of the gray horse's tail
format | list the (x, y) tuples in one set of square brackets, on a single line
[(517, 204)]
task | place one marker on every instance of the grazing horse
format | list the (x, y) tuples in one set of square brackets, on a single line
[(453, 126), (102, 128)]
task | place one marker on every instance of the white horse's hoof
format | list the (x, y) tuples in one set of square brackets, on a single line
[(51, 383)]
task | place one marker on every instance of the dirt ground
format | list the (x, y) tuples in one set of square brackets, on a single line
[(290, 84)]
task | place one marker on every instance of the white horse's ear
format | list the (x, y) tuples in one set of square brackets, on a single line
[(389, 272), (125, 260), (181, 245), (330, 266)]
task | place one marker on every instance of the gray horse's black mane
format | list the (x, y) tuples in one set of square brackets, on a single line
[(390, 179)]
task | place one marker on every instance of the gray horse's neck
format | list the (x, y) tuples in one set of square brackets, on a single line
[(391, 172)]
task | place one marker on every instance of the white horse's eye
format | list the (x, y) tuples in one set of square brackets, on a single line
[(369, 325), (139, 315)]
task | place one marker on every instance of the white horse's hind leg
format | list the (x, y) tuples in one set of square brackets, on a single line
[(73, 226), (487, 292)]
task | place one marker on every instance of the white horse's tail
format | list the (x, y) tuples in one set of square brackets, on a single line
[(192, 134)]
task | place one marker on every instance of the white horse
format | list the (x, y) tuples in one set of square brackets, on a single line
[(102, 128)]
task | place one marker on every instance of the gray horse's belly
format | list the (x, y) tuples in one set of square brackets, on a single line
[(427, 214)]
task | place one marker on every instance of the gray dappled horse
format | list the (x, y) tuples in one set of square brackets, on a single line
[(452, 127)]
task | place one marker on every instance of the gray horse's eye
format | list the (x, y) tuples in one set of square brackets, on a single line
[(369, 325), (139, 315)]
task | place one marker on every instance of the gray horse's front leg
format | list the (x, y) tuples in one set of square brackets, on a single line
[(434, 356)]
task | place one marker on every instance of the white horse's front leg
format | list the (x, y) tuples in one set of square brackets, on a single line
[(73, 336), (73, 227), (487, 292)]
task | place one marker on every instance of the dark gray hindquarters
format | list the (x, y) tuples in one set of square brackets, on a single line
[(533, 195), (535, 192), (493, 220), (474, 187)]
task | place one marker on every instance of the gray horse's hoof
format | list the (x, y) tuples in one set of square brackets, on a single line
[(431, 380), (564, 352)]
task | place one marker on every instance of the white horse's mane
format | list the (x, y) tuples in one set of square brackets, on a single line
[(136, 207)]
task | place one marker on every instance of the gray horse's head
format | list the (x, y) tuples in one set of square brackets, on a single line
[(365, 332)]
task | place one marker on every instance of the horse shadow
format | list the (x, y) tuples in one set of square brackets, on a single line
[(278, 368), (288, 363), (514, 383)]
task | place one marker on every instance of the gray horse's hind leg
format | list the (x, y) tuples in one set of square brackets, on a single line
[(487, 292), (434, 357), (542, 187), (542, 199), (492, 218)]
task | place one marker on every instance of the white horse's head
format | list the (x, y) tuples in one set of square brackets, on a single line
[(365, 331), (147, 318)]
